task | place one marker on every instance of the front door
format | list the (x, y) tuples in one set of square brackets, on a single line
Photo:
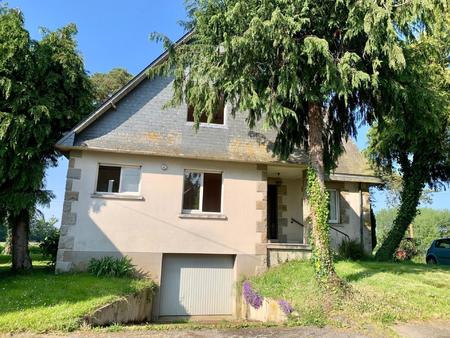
[(272, 211)]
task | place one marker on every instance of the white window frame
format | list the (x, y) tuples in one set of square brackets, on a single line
[(200, 211), (335, 221), (119, 193), (224, 125)]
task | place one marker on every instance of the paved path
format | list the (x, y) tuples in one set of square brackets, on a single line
[(434, 329), (275, 332)]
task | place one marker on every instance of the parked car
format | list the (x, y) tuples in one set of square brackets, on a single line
[(439, 252)]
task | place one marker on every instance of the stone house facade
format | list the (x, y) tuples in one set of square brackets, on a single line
[(194, 210)]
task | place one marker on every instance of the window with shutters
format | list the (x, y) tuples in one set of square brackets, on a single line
[(118, 179), (202, 192)]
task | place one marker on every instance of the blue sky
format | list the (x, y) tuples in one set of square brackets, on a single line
[(115, 34)]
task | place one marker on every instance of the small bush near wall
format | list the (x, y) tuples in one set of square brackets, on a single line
[(49, 246), (112, 267), (351, 249), (406, 250)]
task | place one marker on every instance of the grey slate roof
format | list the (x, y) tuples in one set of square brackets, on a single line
[(135, 121)]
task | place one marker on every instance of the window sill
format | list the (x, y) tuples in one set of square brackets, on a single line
[(118, 197), (203, 216), (208, 125)]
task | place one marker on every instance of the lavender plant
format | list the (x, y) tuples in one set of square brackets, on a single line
[(250, 296), (285, 306)]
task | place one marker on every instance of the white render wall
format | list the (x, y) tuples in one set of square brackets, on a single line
[(154, 225), (349, 213)]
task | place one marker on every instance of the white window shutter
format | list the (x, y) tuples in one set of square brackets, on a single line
[(130, 179)]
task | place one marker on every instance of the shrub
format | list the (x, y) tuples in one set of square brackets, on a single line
[(285, 306), (112, 267), (250, 296), (406, 250), (40, 228), (49, 246), (351, 249)]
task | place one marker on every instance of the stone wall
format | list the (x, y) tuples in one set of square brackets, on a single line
[(282, 211), (367, 224), (261, 221), (69, 216)]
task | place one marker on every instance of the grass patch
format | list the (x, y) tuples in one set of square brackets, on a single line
[(216, 325), (41, 301), (383, 293)]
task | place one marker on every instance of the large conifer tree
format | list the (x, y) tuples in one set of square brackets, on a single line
[(413, 138), (44, 91), (307, 68)]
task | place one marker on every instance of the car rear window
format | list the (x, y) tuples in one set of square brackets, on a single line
[(443, 244)]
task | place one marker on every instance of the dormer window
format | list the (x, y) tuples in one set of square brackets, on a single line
[(218, 117)]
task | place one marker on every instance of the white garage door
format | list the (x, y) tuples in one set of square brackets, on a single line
[(193, 285)]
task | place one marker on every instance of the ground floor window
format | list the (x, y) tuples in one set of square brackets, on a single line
[(118, 179), (333, 216), (202, 191)]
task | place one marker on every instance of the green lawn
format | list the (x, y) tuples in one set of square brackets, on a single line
[(383, 293), (42, 301)]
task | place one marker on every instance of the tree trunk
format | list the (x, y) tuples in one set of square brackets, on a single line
[(21, 260), (315, 141), (318, 200), (409, 197)]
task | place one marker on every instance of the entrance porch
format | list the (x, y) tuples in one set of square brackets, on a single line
[(288, 226), (287, 231)]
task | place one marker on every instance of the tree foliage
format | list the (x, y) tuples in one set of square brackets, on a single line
[(106, 84), (308, 69), (413, 138), (392, 186), (40, 228), (428, 225), (44, 91), (270, 58)]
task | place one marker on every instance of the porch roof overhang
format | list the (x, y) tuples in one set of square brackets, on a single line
[(355, 178)]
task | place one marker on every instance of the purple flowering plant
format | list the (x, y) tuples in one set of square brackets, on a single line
[(285, 306), (250, 296)]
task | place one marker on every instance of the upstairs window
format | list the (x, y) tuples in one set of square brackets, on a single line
[(333, 206), (202, 192), (118, 179), (218, 117)]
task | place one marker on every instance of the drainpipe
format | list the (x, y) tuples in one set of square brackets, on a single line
[(361, 216)]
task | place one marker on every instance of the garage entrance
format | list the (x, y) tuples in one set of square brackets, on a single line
[(197, 285)]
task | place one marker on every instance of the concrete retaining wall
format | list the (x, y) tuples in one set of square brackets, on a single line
[(136, 308), (270, 311), (279, 253)]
